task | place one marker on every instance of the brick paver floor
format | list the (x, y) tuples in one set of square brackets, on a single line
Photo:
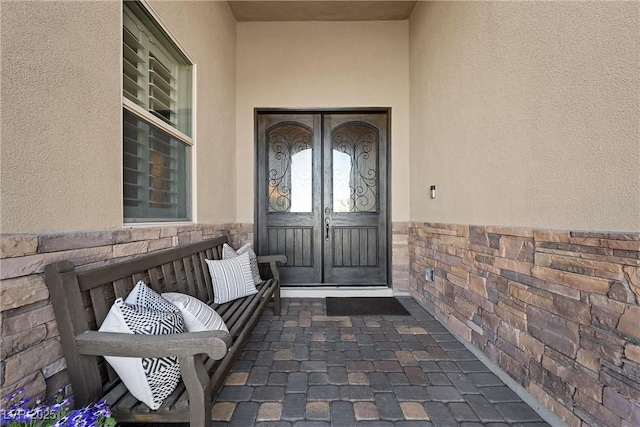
[(305, 369)]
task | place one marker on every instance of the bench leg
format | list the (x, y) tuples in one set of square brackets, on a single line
[(196, 381), (276, 300)]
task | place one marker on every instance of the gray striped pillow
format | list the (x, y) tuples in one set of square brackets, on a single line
[(231, 278), (197, 315), (229, 252)]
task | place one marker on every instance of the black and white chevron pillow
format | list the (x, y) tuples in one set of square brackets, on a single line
[(145, 312), (145, 296), (231, 278)]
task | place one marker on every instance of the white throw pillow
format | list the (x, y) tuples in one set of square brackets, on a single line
[(145, 312), (231, 278), (197, 315), (229, 252)]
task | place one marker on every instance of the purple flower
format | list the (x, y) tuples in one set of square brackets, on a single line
[(21, 414), (14, 394), (61, 422)]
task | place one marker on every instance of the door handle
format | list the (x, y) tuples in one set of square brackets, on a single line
[(327, 221)]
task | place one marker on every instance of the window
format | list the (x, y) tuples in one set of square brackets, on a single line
[(157, 116)]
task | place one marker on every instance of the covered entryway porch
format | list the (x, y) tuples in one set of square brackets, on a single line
[(524, 114)]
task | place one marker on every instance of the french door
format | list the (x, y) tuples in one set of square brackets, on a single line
[(322, 192)]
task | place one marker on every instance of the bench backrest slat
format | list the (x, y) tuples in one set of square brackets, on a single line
[(205, 275), (155, 278), (139, 276), (122, 287), (169, 281), (101, 304), (186, 284), (201, 284), (178, 275), (188, 271)]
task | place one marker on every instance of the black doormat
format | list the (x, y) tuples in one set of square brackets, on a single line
[(364, 306)]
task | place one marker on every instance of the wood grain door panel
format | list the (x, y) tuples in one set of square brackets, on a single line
[(355, 198)]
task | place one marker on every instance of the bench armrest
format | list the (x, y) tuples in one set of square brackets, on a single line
[(95, 343), (273, 260)]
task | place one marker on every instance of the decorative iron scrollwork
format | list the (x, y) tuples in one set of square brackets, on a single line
[(286, 140), (358, 141)]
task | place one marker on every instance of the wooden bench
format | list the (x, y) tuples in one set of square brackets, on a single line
[(82, 298)]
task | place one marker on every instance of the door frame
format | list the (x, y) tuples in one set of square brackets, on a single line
[(276, 110)]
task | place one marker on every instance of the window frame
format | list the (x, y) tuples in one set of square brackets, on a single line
[(153, 120)]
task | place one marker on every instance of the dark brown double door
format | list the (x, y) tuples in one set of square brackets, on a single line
[(322, 194)]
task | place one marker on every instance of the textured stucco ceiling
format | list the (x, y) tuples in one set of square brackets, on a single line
[(313, 10)]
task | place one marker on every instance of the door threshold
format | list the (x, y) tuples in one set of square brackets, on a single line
[(323, 291)]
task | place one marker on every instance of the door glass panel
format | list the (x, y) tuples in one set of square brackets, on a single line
[(290, 166), (355, 168), (301, 178), (341, 179)]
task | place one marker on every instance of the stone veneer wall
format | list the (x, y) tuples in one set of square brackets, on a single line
[(556, 310), (31, 354), (400, 256)]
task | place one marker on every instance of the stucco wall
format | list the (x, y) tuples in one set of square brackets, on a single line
[(526, 114), (318, 65), (61, 116), (62, 112)]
